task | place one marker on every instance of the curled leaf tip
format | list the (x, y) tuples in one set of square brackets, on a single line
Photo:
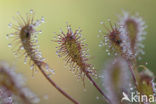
[(125, 37), (134, 27), (25, 39), (114, 41)]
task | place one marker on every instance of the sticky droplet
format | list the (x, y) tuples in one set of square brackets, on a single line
[(9, 25), (7, 36), (22, 48), (97, 97), (101, 22), (100, 31), (42, 19), (32, 67), (31, 11), (9, 45)]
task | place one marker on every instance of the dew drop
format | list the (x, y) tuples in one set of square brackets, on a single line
[(97, 98), (15, 53), (100, 45), (25, 60), (10, 25), (108, 54), (57, 52), (32, 67), (43, 59), (37, 23), (40, 31), (101, 76), (7, 36), (18, 13), (100, 31), (11, 35), (10, 99), (107, 50), (22, 48), (37, 42), (131, 88), (101, 22), (42, 19), (19, 27), (47, 67), (9, 45), (31, 11), (52, 71), (62, 30)]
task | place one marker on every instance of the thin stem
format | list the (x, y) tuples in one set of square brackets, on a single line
[(58, 88), (132, 72), (98, 88)]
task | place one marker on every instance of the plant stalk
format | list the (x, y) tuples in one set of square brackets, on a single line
[(57, 87), (132, 73), (98, 88)]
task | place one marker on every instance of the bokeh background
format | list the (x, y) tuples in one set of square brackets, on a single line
[(86, 14)]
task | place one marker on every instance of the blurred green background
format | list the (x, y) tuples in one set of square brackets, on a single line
[(86, 14)]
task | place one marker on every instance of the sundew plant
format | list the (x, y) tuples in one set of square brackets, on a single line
[(77, 52)]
